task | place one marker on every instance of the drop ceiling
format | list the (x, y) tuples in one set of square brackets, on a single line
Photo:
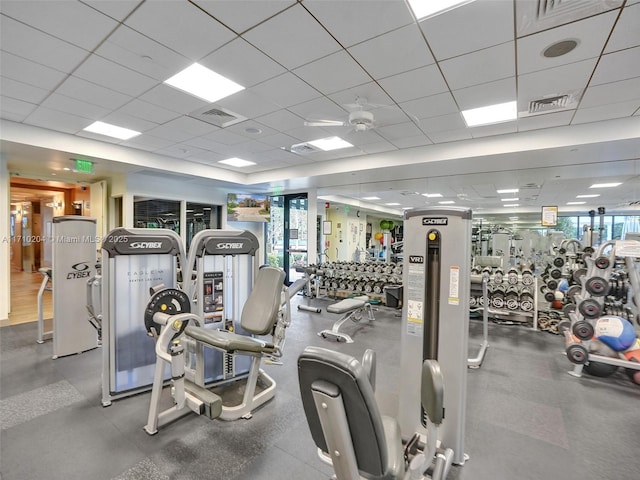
[(65, 64)]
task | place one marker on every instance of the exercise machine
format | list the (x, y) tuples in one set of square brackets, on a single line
[(168, 313), (352, 309), (482, 282), (339, 402), (134, 261), (435, 323), (74, 256)]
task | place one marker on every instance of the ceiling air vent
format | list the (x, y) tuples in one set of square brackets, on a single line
[(303, 148), (220, 117), (552, 103)]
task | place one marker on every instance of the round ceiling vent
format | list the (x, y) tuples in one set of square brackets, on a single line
[(560, 48)]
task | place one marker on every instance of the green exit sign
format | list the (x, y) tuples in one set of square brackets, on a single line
[(84, 166)]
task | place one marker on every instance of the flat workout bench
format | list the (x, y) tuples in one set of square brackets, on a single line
[(352, 308)]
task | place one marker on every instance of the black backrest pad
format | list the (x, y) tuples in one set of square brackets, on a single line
[(318, 365), (260, 311)]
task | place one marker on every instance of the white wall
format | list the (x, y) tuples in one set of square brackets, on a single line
[(5, 238)]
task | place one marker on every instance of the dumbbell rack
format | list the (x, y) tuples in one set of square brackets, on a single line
[(342, 279), (512, 297)]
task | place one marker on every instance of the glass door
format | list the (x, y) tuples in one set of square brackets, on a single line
[(288, 236)]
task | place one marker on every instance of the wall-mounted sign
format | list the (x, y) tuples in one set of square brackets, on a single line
[(549, 216)]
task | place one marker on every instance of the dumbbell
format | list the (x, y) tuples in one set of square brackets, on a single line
[(511, 298), (558, 262), (602, 262), (473, 301), (498, 276), (590, 308), (378, 286), (597, 286), (549, 294), (512, 277), (497, 297), (527, 277), (526, 300)]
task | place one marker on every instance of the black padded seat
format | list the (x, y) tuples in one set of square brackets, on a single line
[(376, 439)]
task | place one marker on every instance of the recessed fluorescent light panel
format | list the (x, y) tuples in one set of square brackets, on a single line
[(407, 208), (432, 195), (576, 203), (111, 130), (203, 83), (594, 195), (446, 202), (370, 198), (428, 8), (330, 143), (237, 162), (392, 204), (500, 112), (605, 185), (508, 190), (511, 205), (515, 199)]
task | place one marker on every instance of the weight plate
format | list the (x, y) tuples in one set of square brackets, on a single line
[(558, 262), (578, 274), (552, 284), (573, 291), (602, 262), (582, 330), (555, 273), (577, 354), (597, 286), (590, 308), (170, 301)]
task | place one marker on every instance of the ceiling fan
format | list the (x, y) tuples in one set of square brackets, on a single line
[(361, 119)]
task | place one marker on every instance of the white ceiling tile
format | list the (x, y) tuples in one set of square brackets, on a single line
[(80, 89), (191, 126), (367, 96), (172, 99), (359, 139), (319, 109), (496, 129), (354, 22), (242, 127), (279, 140), (224, 137), (450, 136), (59, 121), (547, 120), (487, 65), (108, 74), (128, 121), (307, 134), (378, 147), (617, 66), (408, 142), (443, 123), (389, 116), (241, 62), (280, 120), (147, 142), (286, 90), (570, 78), (148, 111), (614, 92), (117, 10), (380, 57), (208, 158), (422, 82), (180, 150), (209, 145), (72, 22), (22, 91), (486, 94), (14, 109), (181, 26), (66, 104), (474, 26), (29, 43), (170, 133), (591, 34), (333, 73), (253, 146), (432, 106), (248, 104), (292, 38), (35, 74), (141, 54), (627, 30), (399, 131), (605, 112), (240, 16)]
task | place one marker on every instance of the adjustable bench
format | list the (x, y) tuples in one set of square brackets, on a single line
[(352, 308)]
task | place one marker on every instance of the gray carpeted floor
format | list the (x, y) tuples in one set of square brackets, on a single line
[(527, 419)]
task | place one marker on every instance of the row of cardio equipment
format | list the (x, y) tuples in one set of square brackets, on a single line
[(210, 328)]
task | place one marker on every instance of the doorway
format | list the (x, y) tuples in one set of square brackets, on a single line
[(287, 236)]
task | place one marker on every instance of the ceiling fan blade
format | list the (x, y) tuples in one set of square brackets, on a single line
[(324, 123)]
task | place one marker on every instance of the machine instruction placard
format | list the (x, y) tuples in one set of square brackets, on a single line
[(454, 285), (415, 300)]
